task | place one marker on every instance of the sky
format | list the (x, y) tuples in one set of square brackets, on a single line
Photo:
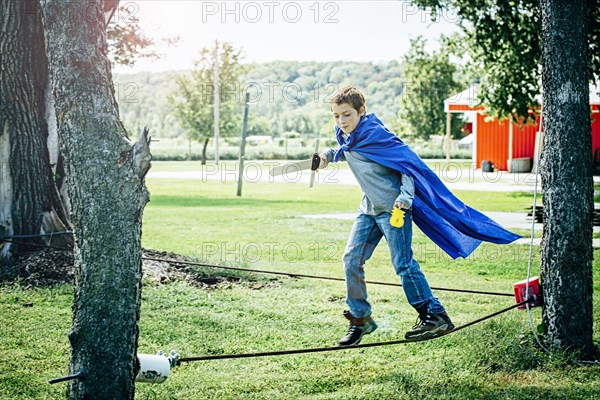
[(357, 30)]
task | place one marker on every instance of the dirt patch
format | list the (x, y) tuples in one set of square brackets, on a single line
[(162, 272), (41, 268), (49, 267)]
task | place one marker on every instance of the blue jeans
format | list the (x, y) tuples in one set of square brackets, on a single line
[(366, 234)]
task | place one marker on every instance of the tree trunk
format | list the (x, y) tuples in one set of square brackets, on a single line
[(105, 178), (31, 204), (204, 147), (567, 177)]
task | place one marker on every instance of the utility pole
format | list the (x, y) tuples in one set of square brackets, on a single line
[(243, 144), (216, 101)]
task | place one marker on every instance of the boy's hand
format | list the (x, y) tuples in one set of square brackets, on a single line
[(397, 218), (324, 162), (401, 205)]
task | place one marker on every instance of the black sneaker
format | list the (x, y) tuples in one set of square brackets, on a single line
[(429, 326), (358, 327)]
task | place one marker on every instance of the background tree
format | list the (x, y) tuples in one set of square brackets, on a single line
[(32, 173), (32, 189), (503, 39), (105, 178), (508, 37), (193, 102), (429, 80), (258, 126), (567, 176)]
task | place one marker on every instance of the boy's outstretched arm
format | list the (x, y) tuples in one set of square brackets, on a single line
[(328, 155), (407, 193)]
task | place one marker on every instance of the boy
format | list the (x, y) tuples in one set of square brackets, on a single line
[(391, 175)]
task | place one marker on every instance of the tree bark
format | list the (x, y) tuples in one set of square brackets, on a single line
[(566, 250), (105, 179), (204, 147), (31, 204)]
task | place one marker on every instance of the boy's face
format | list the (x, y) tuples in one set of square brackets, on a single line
[(346, 117)]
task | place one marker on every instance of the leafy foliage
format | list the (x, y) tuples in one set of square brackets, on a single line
[(504, 39), (126, 41), (430, 79), (194, 103)]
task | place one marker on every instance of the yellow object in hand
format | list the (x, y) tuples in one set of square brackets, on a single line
[(397, 218)]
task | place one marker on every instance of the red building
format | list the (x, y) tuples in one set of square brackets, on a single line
[(500, 141)]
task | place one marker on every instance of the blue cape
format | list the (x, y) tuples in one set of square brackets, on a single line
[(457, 228)]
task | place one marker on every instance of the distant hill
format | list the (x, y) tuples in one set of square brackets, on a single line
[(289, 96)]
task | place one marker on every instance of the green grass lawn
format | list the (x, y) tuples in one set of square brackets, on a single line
[(267, 229)]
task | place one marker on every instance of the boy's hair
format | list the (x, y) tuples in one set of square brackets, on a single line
[(350, 95)]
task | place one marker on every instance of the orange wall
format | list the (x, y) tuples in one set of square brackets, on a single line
[(524, 139), (492, 140)]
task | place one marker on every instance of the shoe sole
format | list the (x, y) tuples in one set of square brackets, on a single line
[(370, 330), (439, 331)]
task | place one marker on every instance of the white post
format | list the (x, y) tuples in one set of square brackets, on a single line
[(448, 135), (216, 100)]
